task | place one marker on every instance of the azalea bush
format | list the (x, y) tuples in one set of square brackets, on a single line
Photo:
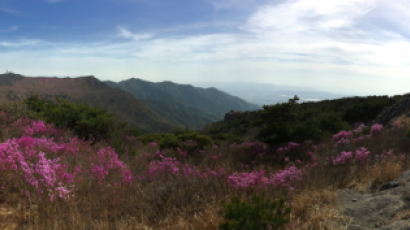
[(46, 161)]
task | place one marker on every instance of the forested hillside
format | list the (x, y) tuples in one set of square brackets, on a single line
[(189, 106)]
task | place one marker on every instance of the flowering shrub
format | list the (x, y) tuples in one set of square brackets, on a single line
[(376, 128), (360, 133), (286, 177), (360, 155), (342, 158), (39, 128), (360, 128), (282, 178), (165, 166), (170, 166), (287, 148), (106, 160), (24, 157), (342, 137), (248, 179), (48, 167)]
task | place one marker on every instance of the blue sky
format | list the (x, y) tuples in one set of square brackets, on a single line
[(345, 46)]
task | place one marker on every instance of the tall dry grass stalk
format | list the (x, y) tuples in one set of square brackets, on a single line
[(316, 210), (373, 176)]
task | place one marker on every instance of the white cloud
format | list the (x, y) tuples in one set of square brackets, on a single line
[(297, 15), (361, 45), (125, 33), (20, 43)]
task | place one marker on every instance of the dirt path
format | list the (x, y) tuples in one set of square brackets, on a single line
[(388, 208)]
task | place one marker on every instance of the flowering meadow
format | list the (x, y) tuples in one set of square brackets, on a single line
[(51, 179)]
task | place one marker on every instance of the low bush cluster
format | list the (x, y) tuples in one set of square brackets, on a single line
[(259, 212), (85, 121)]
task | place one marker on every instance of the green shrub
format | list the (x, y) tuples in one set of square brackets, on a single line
[(307, 121), (177, 139), (257, 213), (295, 122), (85, 121)]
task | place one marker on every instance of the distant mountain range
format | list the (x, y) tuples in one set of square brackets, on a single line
[(267, 94), (150, 107), (189, 106)]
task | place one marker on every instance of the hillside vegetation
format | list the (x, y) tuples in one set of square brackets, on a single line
[(87, 90), (56, 176), (293, 121), (149, 107), (191, 107)]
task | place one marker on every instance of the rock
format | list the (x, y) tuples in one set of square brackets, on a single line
[(394, 111), (390, 185), (380, 209), (405, 177), (398, 225)]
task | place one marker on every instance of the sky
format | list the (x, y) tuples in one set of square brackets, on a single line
[(344, 46)]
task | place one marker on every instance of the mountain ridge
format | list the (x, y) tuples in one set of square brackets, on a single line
[(190, 106), (88, 90)]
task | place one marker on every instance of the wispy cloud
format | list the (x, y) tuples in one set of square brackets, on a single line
[(23, 43), (125, 33), (9, 29), (236, 4), (9, 11), (55, 1)]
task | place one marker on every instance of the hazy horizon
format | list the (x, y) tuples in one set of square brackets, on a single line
[(355, 47)]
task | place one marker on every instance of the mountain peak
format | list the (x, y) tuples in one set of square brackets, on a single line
[(91, 81), (9, 77)]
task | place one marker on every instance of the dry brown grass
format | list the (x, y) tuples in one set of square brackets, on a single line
[(375, 175), (8, 218), (316, 210), (402, 120), (208, 219)]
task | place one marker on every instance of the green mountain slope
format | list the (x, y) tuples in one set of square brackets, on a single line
[(192, 107), (88, 90)]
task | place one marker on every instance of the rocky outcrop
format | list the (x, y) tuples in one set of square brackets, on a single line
[(394, 111), (387, 208)]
